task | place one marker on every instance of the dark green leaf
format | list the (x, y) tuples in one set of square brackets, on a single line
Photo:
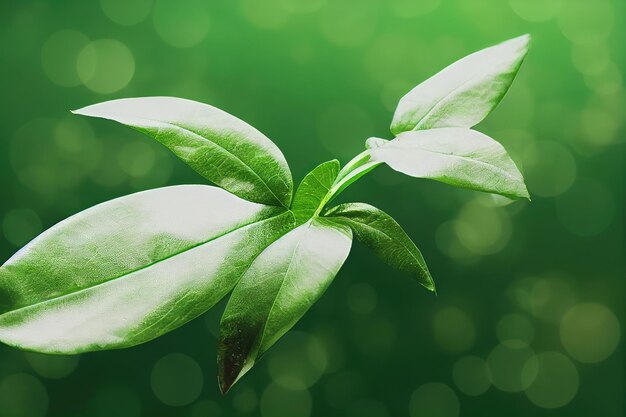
[(219, 146), (456, 156), (464, 93), (313, 188), (276, 291), (128, 270), (380, 232)]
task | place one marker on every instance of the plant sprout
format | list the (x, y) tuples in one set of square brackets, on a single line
[(131, 269)]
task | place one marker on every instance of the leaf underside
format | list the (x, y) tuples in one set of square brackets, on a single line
[(456, 156)]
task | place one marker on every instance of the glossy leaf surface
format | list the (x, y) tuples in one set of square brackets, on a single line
[(276, 291), (465, 92), (220, 147), (312, 190), (128, 270), (380, 232), (456, 156)]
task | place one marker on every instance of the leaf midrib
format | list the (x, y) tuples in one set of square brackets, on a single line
[(422, 265), (248, 167), (465, 158), (126, 274), (282, 284)]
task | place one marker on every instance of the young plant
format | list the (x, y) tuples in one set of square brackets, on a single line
[(129, 270)]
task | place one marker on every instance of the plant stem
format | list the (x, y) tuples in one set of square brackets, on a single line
[(352, 171)]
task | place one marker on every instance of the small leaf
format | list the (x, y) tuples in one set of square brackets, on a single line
[(313, 188), (464, 93), (220, 147), (276, 291), (131, 269), (456, 156), (380, 232)]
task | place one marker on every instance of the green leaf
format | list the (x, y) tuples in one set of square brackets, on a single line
[(280, 286), (380, 232), (464, 93), (456, 156), (128, 270), (313, 188), (355, 169), (220, 147)]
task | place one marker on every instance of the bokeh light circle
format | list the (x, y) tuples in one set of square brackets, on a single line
[(471, 376), (59, 54), (245, 400), (126, 12), (182, 23), (349, 23), (434, 399), (22, 395), (482, 230), (549, 169), (298, 361), (515, 331), (586, 22), (555, 380), (590, 332), (277, 401), (511, 370), (176, 379), (106, 66), (52, 366), (266, 14), (136, 158), (453, 329), (536, 10)]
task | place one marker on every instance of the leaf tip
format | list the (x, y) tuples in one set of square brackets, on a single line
[(430, 285)]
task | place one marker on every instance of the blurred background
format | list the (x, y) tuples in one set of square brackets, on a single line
[(529, 314)]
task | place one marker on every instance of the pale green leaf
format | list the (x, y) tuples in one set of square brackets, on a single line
[(380, 232), (313, 188), (128, 270), (464, 93), (225, 150), (276, 291), (456, 156)]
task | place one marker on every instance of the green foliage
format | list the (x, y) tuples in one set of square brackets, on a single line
[(220, 147), (131, 269), (457, 156), (464, 93), (380, 232)]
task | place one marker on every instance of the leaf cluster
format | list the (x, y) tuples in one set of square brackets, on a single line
[(129, 270)]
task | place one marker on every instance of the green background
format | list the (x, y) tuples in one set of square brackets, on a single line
[(529, 312)]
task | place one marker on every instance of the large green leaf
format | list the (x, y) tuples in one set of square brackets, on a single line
[(312, 190), (456, 156), (128, 270), (219, 146), (464, 93), (380, 232), (279, 287)]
